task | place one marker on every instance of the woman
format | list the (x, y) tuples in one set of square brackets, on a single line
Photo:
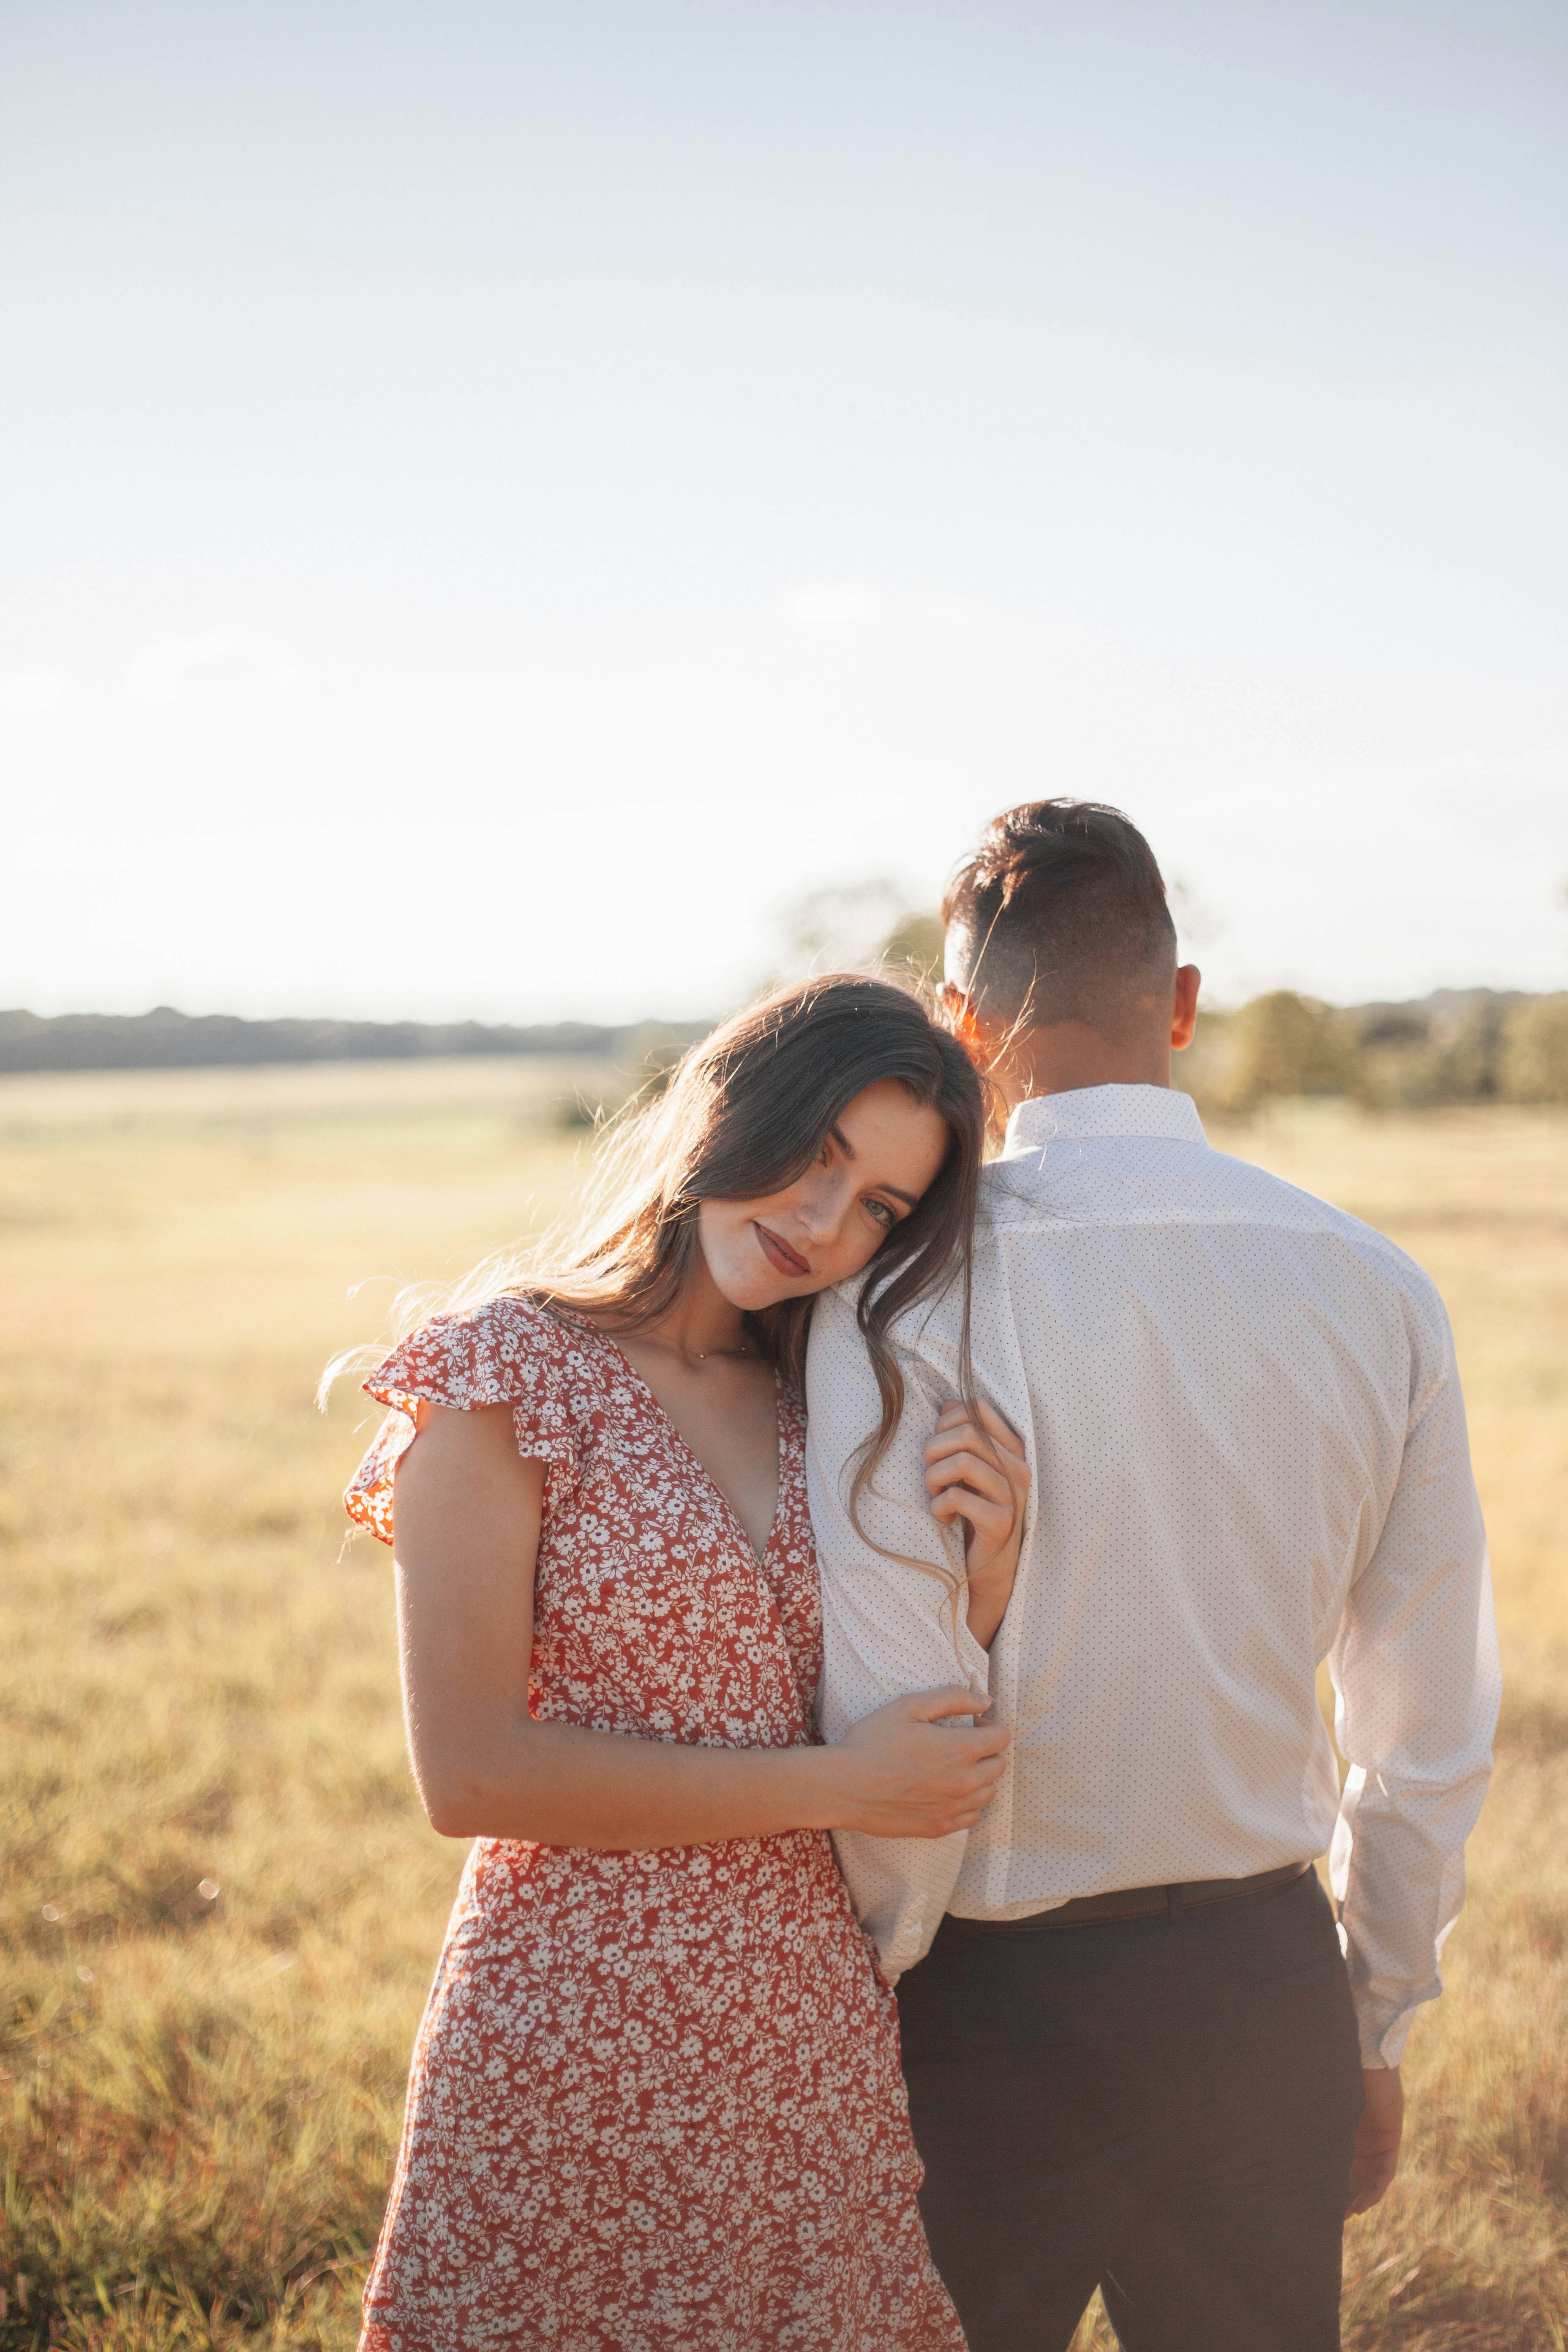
[(655, 2099)]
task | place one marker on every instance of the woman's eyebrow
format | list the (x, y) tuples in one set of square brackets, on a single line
[(909, 1199)]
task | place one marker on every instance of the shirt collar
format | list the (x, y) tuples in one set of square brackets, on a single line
[(1154, 1111)]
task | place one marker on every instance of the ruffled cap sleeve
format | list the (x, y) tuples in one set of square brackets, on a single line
[(508, 1351)]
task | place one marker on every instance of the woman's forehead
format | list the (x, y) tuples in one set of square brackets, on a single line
[(884, 1120)]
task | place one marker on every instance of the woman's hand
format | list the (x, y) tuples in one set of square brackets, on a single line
[(902, 1772), (976, 1471)]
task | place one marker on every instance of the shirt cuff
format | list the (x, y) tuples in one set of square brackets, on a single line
[(1383, 2028)]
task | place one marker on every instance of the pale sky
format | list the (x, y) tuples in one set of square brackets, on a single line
[(502, 499)]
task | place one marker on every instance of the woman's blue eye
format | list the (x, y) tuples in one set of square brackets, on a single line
[(882, 1213)]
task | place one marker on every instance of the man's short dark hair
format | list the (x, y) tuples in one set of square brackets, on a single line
[(1060, 915)]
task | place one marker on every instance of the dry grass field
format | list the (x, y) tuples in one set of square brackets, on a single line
[(220, 1905)]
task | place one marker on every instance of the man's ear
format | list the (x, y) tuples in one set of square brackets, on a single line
[(1184, 1005)]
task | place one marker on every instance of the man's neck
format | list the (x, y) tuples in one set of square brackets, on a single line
[(1062, 1060)]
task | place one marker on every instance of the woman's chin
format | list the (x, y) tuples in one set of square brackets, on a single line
[(756, 1293), (752, 1297)]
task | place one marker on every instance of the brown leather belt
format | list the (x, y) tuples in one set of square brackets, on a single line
[(1138, 1902)]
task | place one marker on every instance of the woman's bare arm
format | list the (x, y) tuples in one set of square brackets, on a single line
[(468, 1513)]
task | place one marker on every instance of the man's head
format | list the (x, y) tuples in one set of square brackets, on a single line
[(1061, 953)]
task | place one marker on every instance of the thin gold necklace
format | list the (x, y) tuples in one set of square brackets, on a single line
[(687, 1355)]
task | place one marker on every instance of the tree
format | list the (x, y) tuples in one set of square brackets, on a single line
[(1534, 1061), (915, 944), (1283, 1043)]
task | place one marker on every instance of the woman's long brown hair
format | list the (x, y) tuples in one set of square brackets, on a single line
[(746, 1112)]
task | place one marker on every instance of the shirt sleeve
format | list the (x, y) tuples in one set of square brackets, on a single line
[(893, 1607), (1416, 1682)]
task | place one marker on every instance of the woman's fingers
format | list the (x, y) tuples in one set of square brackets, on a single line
[(1010, 1471), (963, 1486), (935, 1706), (955, 1414), (978, 1474), (961, 1437), (992, 1520), (963, 1817), (959, 1441), (966, 1469)]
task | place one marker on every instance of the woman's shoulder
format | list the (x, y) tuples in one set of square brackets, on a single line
[(496, 1352), (507, 1350)]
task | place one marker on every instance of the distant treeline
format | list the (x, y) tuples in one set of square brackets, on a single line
[(166, 1040), (1458, 1045)]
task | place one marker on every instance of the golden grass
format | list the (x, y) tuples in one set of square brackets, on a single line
[(201, 2091)]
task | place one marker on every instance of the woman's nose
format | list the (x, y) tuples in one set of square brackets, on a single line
[(821, 1206)]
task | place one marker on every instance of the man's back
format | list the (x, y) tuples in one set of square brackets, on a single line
[(1248, 1454), (1131, 2044)]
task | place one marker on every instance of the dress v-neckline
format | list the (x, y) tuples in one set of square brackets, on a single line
[(759, 1557)]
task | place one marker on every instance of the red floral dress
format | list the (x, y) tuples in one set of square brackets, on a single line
[(655, 2100)]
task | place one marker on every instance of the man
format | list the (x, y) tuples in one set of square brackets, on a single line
[(1131, 2029)]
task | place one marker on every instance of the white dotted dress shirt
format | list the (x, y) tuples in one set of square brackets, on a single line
[(1249, 1453)]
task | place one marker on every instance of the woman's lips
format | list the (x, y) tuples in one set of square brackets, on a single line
[(779, 1254)]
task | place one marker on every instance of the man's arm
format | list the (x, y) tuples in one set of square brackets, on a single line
[(1416, 1679), (892, 1602)]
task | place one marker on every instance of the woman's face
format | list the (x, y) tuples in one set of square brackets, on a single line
[(880, 1156)]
